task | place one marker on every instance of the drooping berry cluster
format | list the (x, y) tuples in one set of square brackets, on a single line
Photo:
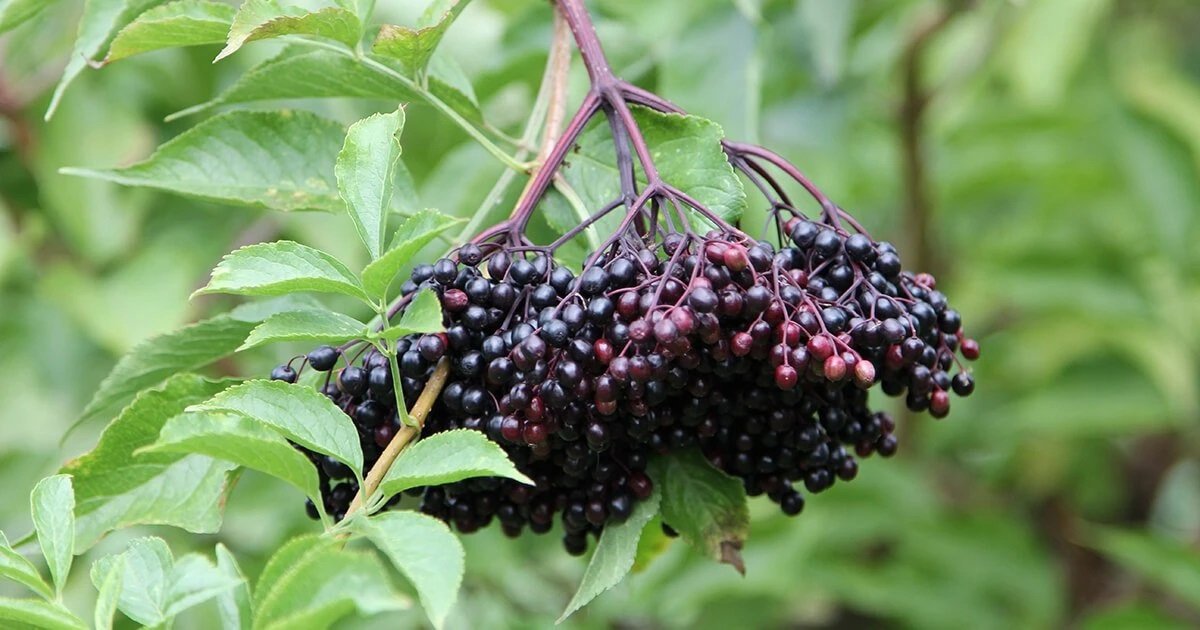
[(758, 355)]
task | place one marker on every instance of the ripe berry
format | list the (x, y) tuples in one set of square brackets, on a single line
[(353, 381), (323, 359), (284, 373)]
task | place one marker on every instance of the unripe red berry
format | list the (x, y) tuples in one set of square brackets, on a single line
[(835, 368), (970, 349), (864, 374), (786, 377), (939, 403)]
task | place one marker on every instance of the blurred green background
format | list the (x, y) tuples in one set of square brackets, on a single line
[(1040, 156)]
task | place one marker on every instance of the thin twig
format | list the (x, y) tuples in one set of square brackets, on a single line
[(405, 436)]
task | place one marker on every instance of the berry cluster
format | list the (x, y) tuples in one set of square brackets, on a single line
[(760, 356)]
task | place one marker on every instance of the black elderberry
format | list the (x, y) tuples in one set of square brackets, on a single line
[(353, 380), (323, 359), (445, 271), (284, 373)]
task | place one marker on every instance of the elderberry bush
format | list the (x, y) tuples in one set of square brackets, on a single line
[(761, 356)]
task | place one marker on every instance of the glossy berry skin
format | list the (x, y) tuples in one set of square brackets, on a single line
[(284, 373), (323, 359), (758, 355)]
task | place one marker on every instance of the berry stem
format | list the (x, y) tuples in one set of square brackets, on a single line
[(405, 436)]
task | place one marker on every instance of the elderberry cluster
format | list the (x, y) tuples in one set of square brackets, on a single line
[(760, 356)]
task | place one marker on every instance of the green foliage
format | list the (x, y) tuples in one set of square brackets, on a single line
[(706, 506), (425, 551), (179, 23), (233, 158), (448, 457), (300, 413), (614, 556), (267, 19), (312, 583), (155, 587), (1059, 143), (53, 509), (117, 487), (414, 47), (366, 169), (315, 327), (239, 440)]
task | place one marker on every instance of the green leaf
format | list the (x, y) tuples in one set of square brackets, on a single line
[(19, 569), (414, 47), (448, 457), (280, 160), (311, 583), (300, 413), (687, 151), (233, 605), (1168, 564), (423, 315), (302, 72), (266, 19), (116, 488), (705, 505), (310, 326), (155, 587), (36, 613), (425, 551), (242, 441), (53, 504), (109, 595), (14, 13), (410, 238), (614, 555), (189, 348), (282, 267), (101, 18), (175, 24), (366, 170)]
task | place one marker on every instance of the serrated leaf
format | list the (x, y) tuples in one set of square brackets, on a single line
[(448, 457), (280, 160), (116, 488), (1166, 563), (311, 583), (14, 13), (687, 151), (172, 25), (242, 441), (266, 19), (233, 605), (101, 19), (366, 171), (425, 551), (302, 72), (414, 47), (36, 613), (155, 587), (282, 267), (53, 505), (706, 506), (422, 315), (614, 555), (189, 348), (300, 413), (109, 594), (18, 568), (410, 238), (312, 326)]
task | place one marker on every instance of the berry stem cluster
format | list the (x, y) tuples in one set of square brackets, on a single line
[(758, 352)]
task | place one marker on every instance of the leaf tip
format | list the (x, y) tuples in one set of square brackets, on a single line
[(731, 554)]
